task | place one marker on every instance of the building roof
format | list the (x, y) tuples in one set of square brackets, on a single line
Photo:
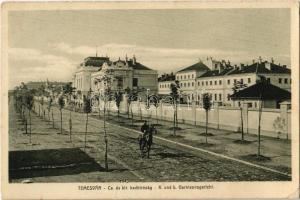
[(94, 61), (262, 90), (261, 68), (199, 66), (137, 65), (166, 77), (212, 73)]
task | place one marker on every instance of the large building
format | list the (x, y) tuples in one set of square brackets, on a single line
[(126, 73), (220, 77)]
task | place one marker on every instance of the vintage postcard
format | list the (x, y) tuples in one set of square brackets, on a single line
[(150, 100)]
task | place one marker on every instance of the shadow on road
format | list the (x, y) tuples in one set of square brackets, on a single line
[(50, 162)]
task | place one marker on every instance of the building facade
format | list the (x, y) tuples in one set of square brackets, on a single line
[(220, 78), (124, 74)]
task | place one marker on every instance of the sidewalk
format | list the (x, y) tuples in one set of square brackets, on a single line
[(276, 152)]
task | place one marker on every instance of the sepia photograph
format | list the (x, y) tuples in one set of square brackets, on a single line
[(147, 100)]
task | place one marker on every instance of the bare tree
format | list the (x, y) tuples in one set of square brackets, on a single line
[(61, 104), (86, 109), (175, 97), (207, 106)]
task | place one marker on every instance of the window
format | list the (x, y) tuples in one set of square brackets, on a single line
[(184, 76), (220, 97), (220, 82), (216, 82), (290, 80), (206, 82), (242, 80), (198, 83), (228, 97), (228, 82), (193, 84), (216, 97), (202, 82), (180, 84), (184, 84), (249, 80), (234, 81), (188, 84), (210, 82), (192, 75), (188, 76), (135, 82), (181, 77), (285, 81), (280, 80)]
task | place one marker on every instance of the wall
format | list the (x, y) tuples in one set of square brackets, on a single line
[(227, 118)]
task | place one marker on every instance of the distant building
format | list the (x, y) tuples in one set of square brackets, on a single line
[(220, 82), (82, 76), (187, 78), (164, 83), (126, 74), (220, 77)]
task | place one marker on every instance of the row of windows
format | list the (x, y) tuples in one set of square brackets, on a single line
[(219, 82), (284, 80), (181, 77)]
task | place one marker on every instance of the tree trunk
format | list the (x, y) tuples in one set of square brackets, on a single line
[(60, 121), (52, 118), (131, 115), (242, 124), (86, 126), (29, 127), (174, 122), (258, 135), (206, 127), (105, 140), (156, 116)]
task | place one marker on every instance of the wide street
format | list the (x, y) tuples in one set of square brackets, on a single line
[(167, 162)]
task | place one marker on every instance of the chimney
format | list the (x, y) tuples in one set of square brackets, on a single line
[(272, 60), (242, 66), (268, 65), (228, 62), (133, 60), (126, 58), (253, 61), (284, 66), (259, 59)]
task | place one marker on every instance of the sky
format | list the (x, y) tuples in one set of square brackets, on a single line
[(50, 44)]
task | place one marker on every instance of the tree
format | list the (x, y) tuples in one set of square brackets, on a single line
[(118, 99), (29, 100), (86, 109), (207, 106), (107, 78), (68, 90), (238, 85), (61, 104), (261, 95), (175, 97), (50, 102)]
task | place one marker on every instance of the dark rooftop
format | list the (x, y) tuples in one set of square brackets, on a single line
[(166, 77), (261, 68), (212, 73), (94, 61), (267, 90), (199, 66)]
